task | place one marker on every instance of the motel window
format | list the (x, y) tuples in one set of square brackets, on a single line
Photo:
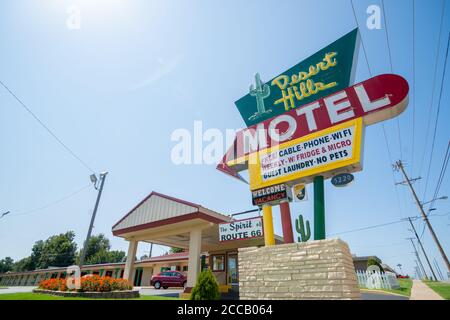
[(109, 273), (185, 268), (218, 263)]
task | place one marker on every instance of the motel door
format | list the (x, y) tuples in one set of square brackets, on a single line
[(232, 269)]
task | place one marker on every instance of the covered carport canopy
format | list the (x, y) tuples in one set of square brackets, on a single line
[(172, 222)]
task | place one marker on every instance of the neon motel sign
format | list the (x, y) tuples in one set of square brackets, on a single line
[(344, 113)]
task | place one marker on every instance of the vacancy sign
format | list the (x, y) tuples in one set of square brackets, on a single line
[(374, 100), (301, 159), (241, 229)]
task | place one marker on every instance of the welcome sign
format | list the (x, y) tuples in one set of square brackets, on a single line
[(328, 70)]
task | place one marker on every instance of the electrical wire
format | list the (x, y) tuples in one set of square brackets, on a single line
[(413, 82), (433, 84), (392, 70), (382, 125), (47, 128), (439, 182), (367, 228), (51, 204), (437, 118)]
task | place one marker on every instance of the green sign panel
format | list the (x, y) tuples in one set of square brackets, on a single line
[(325, 72)]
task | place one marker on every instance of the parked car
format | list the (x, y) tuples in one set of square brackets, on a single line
[(168, 279), (402, 277)]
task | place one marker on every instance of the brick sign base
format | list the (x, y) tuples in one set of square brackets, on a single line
[(298, 271)]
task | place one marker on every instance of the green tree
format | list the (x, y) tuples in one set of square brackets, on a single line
[(206, 287), (6, 264), (98, 251), (176, 250), (58, 250), (23, 265)]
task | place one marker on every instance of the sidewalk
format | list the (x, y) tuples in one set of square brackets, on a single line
[(420, 291)]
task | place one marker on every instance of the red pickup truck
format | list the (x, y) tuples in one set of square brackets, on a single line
[(168, 279)]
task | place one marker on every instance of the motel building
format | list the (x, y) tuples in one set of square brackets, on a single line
[(167, 221)]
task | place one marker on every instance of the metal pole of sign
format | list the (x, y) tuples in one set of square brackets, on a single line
[(319, 208), (269, 237)]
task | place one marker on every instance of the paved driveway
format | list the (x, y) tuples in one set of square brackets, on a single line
[(16, 289), (381, 296), (150, 291)]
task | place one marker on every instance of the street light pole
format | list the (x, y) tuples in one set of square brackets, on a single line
[(425, 217), (91, 225)]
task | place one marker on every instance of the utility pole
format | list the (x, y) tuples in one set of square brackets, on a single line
[(418, 257), (419, 275), (399, 165), (91, 225), (438, 269), (423, 250)]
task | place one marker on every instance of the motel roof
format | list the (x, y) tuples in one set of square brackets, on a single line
[(158, 209)]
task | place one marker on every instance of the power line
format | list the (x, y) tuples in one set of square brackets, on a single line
[(414, 80), (392, 70), (27, 212), (382, 125), (362, 42), (433, 84), (437, 117), (439, 183), (47, 128), (367, 228)]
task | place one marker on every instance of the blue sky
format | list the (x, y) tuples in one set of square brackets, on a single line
[(115, 90)]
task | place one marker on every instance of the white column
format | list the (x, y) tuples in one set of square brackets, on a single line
[(195, 244), (129, 264)]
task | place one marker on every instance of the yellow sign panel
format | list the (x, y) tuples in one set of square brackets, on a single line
[(337, 148)]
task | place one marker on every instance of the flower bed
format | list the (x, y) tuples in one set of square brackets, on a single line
[(91, 287), (88, 284)]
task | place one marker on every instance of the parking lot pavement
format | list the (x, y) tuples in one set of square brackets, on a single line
[(16, 289), (150, 291)]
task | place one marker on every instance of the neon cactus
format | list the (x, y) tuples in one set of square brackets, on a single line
[(300, 227), (261, 92)]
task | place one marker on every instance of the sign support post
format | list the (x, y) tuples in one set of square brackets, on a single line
[(269, 237), (286, 223), (319, 209)]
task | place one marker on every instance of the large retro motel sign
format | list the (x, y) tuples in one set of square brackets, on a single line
[(315, 140)]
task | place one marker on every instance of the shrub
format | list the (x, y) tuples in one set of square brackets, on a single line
[(206, 287), (88, 284)]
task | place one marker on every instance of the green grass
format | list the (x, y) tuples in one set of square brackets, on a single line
[(404, 290), (441, 288), (39, 296)]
